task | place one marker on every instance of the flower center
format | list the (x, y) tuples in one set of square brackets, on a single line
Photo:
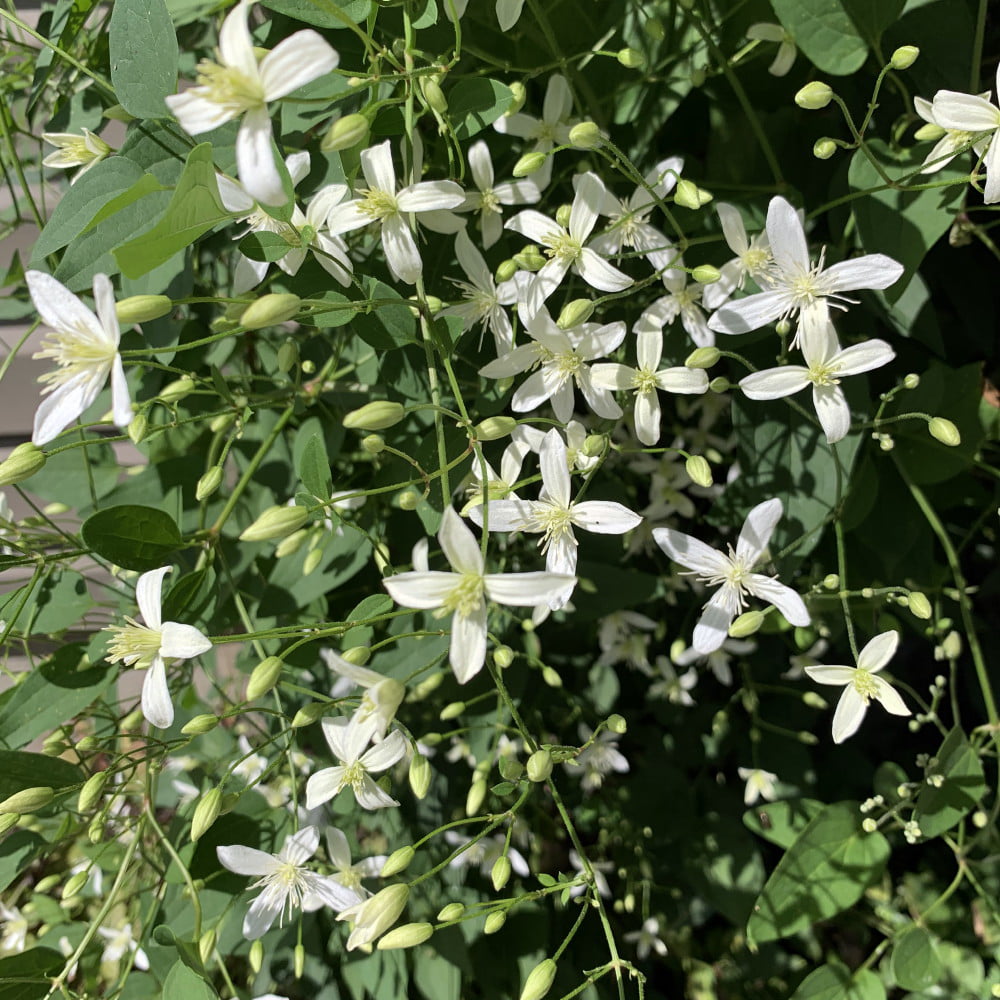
[(489, 202), (820, 374), (555, 522), (567, 364), (864, 684), (755, 260), (734, 580), (133, 644), (561, 246), (227, 86), (686, 298), (644, 380), (354, 775), (77, 353), (285, 886), (378, 204), (349, 877), (466, 598)]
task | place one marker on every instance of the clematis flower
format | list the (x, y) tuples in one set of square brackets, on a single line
[(784, 58), (683, 300), (348, 739), (826, 364), (795, 283), (73, 150), (383, 695), (238, 85), (151, 645), (861, 684), (464, 591), (350, 874), (759, 784), (286, 882), (120, 944), (599, 759), (948, 142), (735, 574), (381, 203), (85, 347), (647, 939), (753, 258)]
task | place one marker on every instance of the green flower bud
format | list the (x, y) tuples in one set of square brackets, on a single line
[(450, 912), (520, 93), (308, 714), (747, 623), (75, 883), (574, 313), (199, 725), (433, 94), (539, 766), (495, 921), (8, 822), (312, 561), (290, 545), (95, 831), (174, 392), (397, 862), (705, 274), (814, 95), (719, 385), (686, 195), (222, 423), (420, 775), (351, 130), (500, 875), (824, 148), (699, 470), (831, 581), (951, 649), (494, 428), (631, 58), (275, 522), (43, 886), (530, 258), (539, 980), (374, 444), (270, 310), (206, 945), (27, 800), (208, 483), (91, 791), (529, 164), (288, 356), (594, 445), (617, 725), (653, 27), (407, 936), (551, 677), (206, 812), (358, 655), (24, 461), (920, 607), (585, 135), (814, 700), (408, 500), (703, 357), (503, 657), (911, 381), (477, 795), (869, 825), (263, 677), (904, 57), (142, 308), (256, 958), (929, 132), (452, 711), (505, 271), (299, 960), (944, 431), (563, 213)]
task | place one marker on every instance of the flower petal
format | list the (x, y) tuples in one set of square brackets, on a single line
[(556, 484), (235, 43), (526, 590), (60, 309), (773, 383), (459, 545), (245, 860), (294, 62), (264, 910), (833, 411), (467, 652), (148, 591), (605, 517), (787, 237), (691, 553), (713, 625), (847, 718), (751, 313), (889, 698), (323, 786), (421, 590), (878, 651), (429, 196), (757, 529), (255, 159), (181, 642), (299, 847), (786, 600), (157, 708), (597, 272), (400, 248)]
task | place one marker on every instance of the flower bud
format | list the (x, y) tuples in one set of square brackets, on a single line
[(208, 483), (951, 649), (747, 623), (433, 94), (494, 428), (495, 921), (8, 822), (719, 385), (831, 581), (944, 431), (308, 714), (529, 164), (705, 274), (299, 960), (377, 914), (74, 884), (24, 461), (222, 423), (312, 561), (911, 381), (630, 58), (174, 392), (358, 655), (27, 800), (351, 130), (450, 912), (814, 700), (616, 724), (500, 875), (376, 416), (503, 657), (929, 132), (686, 195), (699, 470), (95, 831), (290, 545), (407, 936), (920, 607), (505, 271), (551, 677), (563, 213), (477, 795), (263, 677), (275, 522), (452, 710), (397, 862), (200, 725), (530, 258), (869, 825), (539, 766), (575, 312), (91, 791), (43, 885), (585, 135), (824, 148), (373, 444), (206, 945), (904, 57), (539, 980), (520, 93), (270, 310), (206, 812), (142, 308), (288, 356), (594, 445), (256, 957), (420, 775), (814, 96), (703, 357)]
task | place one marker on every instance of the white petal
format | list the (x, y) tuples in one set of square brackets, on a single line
[(255, 159), (534, 391), (181, 642), (787, 237), (301, 846), (337, 848), (323, 785), (246, 860), (757, 530), (376, 163), (121, 401), (468, 644), (874, 270), (733, 229), (383, 755), (965, 112), (597, 272), (613, 376), (428, 196), (649, 346), (481, 165), (605, 517), (526, 590), (558, 99), (371, 797), (647, 417), (421, 590), (878, 651), (513, 363), (533, 225), (831, 675), (263, 912), (786, 600), (590, 194), (691, 553), (991, 162), (889, 698), (60, 309), (400, 248), (713, 625), (773, 383), (508, 12), (847, 718), (505, 515), (235, 43), (750, 313), (157, 708), (555, 469), (833, 411), (294, 62), (196, 112), (148, 591), (61, 407), (687, 381), (459, 544)]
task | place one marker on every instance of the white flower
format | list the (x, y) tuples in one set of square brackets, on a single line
[(718, 660), (383, 695), (151, 644), (120, 944), (15, 930), (647, 939), (523, 439), (554, 514), (85, 347), (675, 688), (796, 284), (489, 195), (784, 58), (381, 203), (348, 739), (683, 300), (621, 636), (349, 874), (949, 142), (861, 685), (760, 784), (826, 364), (565, 247), (286, 883), (648, 378), (484, 852), (72, 150), (753, 258), (240, 85), (735, 574), (464, 592), (601, 758), (597, 869)]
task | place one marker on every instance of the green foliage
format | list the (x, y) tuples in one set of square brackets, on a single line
[(824, 31), (143, 56), (957, 785), (132, 536)]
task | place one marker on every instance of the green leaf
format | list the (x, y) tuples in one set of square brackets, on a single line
[(915, 964), (824, 32), (194, 209), (387, 325), (27, 976), (872, 17), (825, 871), (314, 468), (16, 852), (135, 537), (20, 770), (183, 983), (143, 51), (371, 607), (939, 809), (473, 104), (326, 319), (835, 982), (264, 246), (781, 822)]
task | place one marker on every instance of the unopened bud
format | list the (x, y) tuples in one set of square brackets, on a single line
[(563, 212), (575, 312), (358, 655), (980, 820), (351, 130), (142, 308), (299, 960), (824, 148), (91, 791), (74, 884), (407, 936), (263, 677), (814, 95), (222, 423), (408, 500), (503, 657), (831, 581), (500, 875), (433, 94), (594, 445), (699, 470), (206, 945), (275, 522), (290, 545), (539, 766), (747, 624), (43, 885), (420, 775), (494, 428), (397, 862), (450, 912), (376, 416), (869, 825), (374, 444), (705, 274), (616, 724), (686, 195), (477, 795), (585, 135), (929, 132), (288, 356), (703, 357), (505, 271), (495, 921), (312, 561), (270, 310), (200, 725), (24, 461), (27, 800), (814, 700), (630, 58), (529, 164), (904, 57), (951, 646), (174, 392), (452, 711), (520, 93), (309, 713), (919, 606), (944, 431), (206, 812), (530, 258), (911, 381), (256, 957), (539, 980), (8, 822), (208, 483), (719, 385), (136, 429)]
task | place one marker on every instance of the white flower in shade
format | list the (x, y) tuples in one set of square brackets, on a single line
[(623, 639), (826, 364), (381, 203), (72, 150), (563, 357), (565, 246), (348, 739), (121, 944), (683, 300), (382, 695), (330, 252), (240, 85), (152, 644), (523, 439), (464, 591), (861, 684), (647, 939), (671, 686), (759, 784), (784, 58), (733, 573), (489, 196), (718, 660), (973, 115), (597, 870), (949, 142), (85, 347), (795, 283), (14, 938), (286, 883), (593, 763), (646, 380), (484, 852), (347, 873), (554, 514), (753, 258), (552, 129)]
